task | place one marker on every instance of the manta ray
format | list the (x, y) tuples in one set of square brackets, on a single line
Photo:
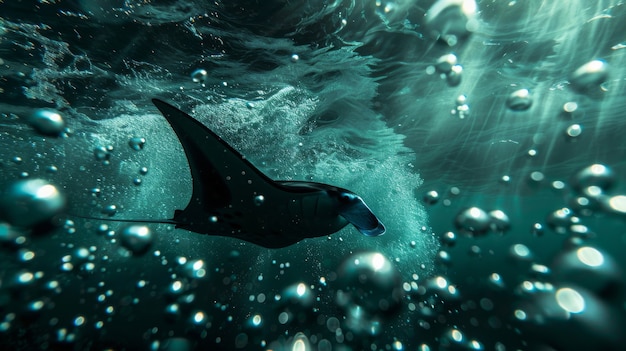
[(231, 197)]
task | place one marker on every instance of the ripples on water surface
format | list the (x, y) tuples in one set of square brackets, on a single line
[(487, 135)]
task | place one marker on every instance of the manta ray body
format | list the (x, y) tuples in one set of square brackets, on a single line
[(231, 197)]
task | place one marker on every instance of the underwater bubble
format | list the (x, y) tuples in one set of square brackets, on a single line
[(596, 175), (444, 63), (495, 281), (195, 269), (8, 235), (298, 294), (452, 339), (47, 121), (369, 280), (448, 239), (95, 192), (571, 318), (172, 344), (101, 153), (590, 268), (137, 181), (615, 204), (34, 308), (137, 238), (520, 253), (30, 202), (137, 143), (259, 200), (109, 210), (519, 100), (431, 197), (574, 131), (443, 258), (561, 220), (199, 76), (176, 288), (300, 342), (461, 100), (473, 221), (583, 205), (453, 78), (440, 286), (536, 177), (537, 229), (463, 111), (52, 169), (143, 170), (590, 75), (172, 312), (451, 20), (295, 58), (570, 109), (500, 222), (539, 270)]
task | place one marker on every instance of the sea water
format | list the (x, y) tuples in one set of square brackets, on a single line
[(486, 135)]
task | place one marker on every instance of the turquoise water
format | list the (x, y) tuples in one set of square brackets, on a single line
[(486, 135)]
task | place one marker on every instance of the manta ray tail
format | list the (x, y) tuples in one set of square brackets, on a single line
[(163, 221)]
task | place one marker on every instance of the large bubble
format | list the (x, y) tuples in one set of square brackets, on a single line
[(30, 202)]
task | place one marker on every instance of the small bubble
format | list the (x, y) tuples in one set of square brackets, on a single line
[(453, 78), (445, 63), (570, 107), (78, 321), (52, 169), (259, 200), (143, 170), (520, 252), (536, 177), (431, 197), (500, 222), (137, 143), (537, 229), (519, 100), (448, 239), (283, 318), (444, 258), (109, 210), (195, 269), (473, 221), (101, 153), (561, 220), (137, 238), (295, 58), (199, 76), (573, 131)]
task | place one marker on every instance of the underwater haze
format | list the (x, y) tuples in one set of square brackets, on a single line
[(488, 136)]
